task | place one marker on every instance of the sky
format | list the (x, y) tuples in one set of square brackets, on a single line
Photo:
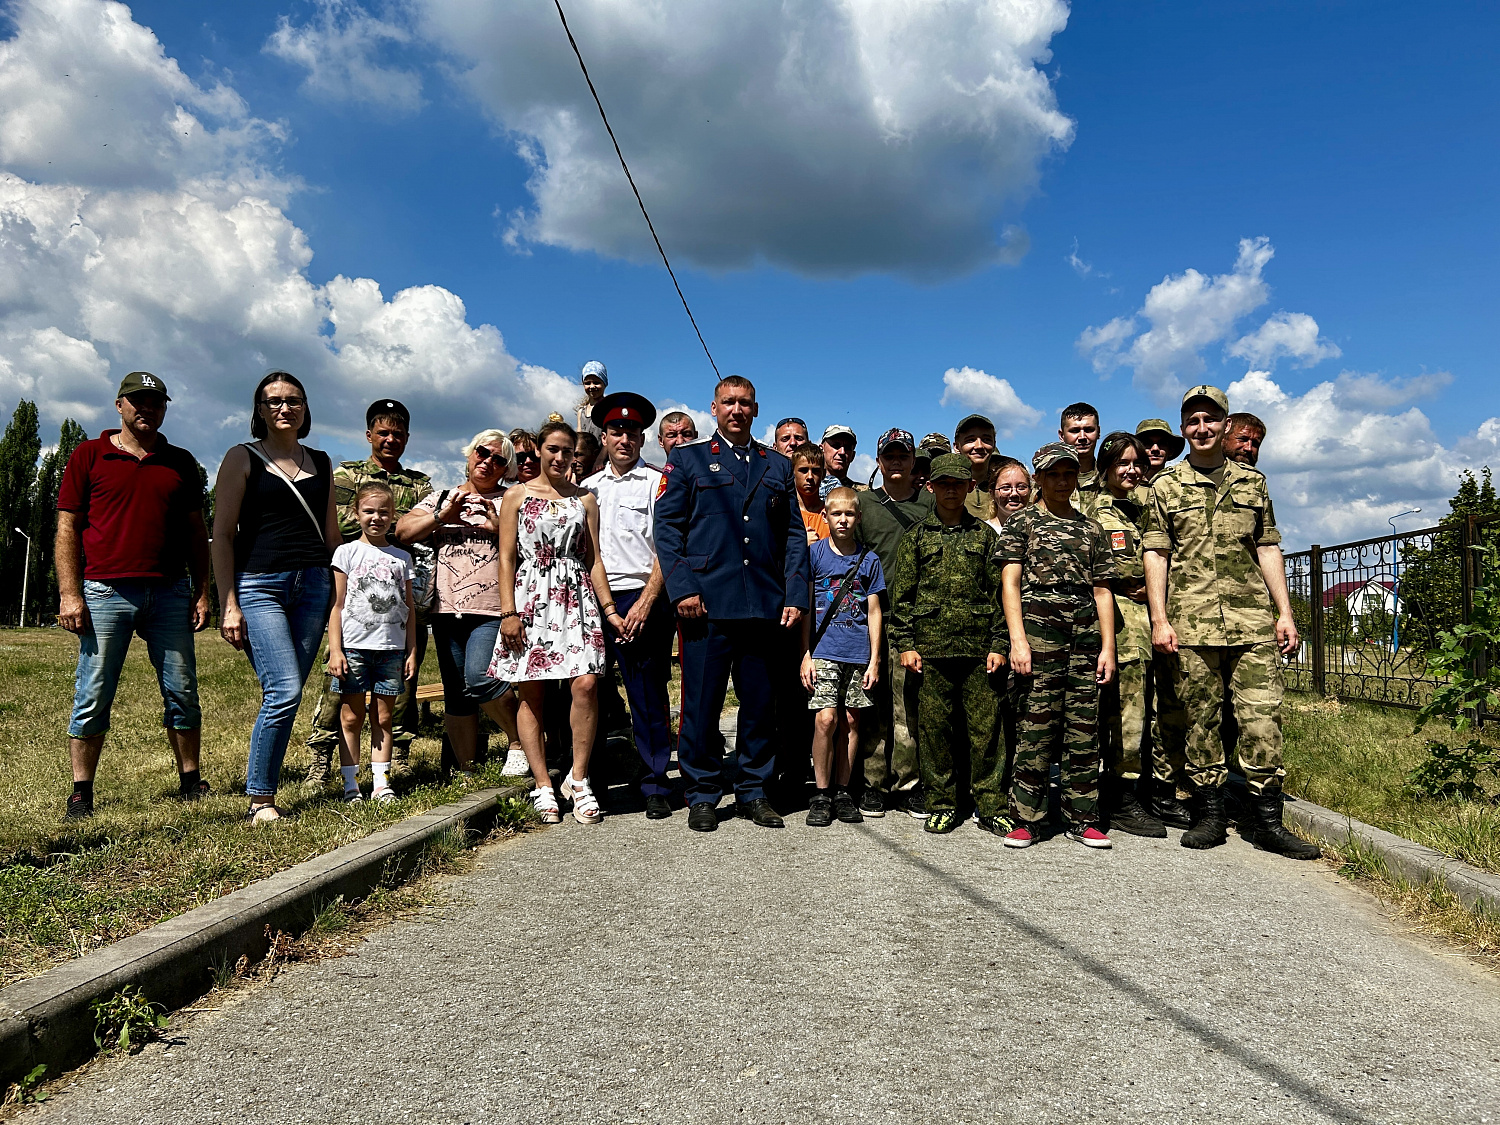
[(883, 213)]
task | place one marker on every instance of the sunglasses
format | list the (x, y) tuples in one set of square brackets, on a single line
[(289, 403), (482, 454), (523, 457)]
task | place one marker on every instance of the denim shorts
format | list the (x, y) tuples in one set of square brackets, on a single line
[(372, 669)]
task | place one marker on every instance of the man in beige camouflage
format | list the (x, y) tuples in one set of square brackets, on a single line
[(1214, 572), (1078, 428), (387, 425)]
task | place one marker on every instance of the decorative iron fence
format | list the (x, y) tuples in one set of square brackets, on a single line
[(1370, 612)]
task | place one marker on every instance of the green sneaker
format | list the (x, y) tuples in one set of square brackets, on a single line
[(998, 825), (944, 820)]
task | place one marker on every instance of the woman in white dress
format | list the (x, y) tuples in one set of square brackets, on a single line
[(554, 601)]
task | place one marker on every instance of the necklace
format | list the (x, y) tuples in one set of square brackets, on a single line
[(277, 461)]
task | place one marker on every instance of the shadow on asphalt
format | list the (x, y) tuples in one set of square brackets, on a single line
[(1292, 1083)]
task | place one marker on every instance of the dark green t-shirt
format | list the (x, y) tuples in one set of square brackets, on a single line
[(881, 521)]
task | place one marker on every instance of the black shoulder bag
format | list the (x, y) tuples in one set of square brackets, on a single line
[(838, 601)]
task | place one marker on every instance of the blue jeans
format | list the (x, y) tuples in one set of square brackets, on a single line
[(285, 616), (162, 613), (465, 645)]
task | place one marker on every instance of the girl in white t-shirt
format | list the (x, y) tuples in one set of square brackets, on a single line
[(372, 637)]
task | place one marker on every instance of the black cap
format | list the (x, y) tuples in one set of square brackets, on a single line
[(142, 381), (388, 406), (623, 406)]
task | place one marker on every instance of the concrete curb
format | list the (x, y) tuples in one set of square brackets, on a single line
[(46, 1019), (1404, 859)]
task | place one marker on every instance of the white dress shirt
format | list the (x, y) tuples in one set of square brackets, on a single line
[(626, 506)]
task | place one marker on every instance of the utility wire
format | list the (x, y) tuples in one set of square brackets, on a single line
[(649, 225)]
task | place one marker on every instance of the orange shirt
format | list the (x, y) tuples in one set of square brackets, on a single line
[(816, 524)]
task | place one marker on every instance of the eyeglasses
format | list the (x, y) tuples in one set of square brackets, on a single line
[(289, 403), (482, 454)]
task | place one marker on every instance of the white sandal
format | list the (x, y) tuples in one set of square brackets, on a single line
[(544, 800), (586, 808)]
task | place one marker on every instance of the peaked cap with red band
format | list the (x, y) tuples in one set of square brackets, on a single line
[(623, 406)]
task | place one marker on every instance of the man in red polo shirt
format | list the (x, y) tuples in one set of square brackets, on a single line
[(129, 522)]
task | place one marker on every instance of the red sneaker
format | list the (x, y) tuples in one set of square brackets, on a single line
[(1019, 838), (1089, 837)]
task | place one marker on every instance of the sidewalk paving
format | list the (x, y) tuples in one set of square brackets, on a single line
[(640, 972)]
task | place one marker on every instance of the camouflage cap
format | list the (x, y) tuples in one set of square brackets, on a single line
[(1054, 453), (951, 466), (1174, 441), (935, 444), (1213, 394)]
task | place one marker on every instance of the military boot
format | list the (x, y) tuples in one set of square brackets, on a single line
[(1262, 827), (1167, 808), (401, 758), (1210, 825), (1124, 812), (320, 765)]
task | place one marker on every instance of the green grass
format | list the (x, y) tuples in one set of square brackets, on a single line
[(1354, 757), (66, 889)]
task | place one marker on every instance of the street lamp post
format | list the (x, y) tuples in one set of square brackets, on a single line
[(25, 575), (1396, 581)]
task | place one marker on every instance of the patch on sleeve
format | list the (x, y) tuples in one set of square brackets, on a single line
[(1117, 540), (662, 487)]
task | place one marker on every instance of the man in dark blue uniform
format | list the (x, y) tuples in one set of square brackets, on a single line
[(733, 551)]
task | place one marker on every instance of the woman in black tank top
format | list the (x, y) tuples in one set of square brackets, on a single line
[(275, 528)]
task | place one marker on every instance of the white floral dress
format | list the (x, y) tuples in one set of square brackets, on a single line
[(556, 599)]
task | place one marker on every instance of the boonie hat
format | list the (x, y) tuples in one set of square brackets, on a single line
[(936, 443), (388, 406), (623, 406), (1174, 442), (951, 466), (1213, 394), (597, 369), (968, 421), (835, 431), (895, 436), (1054, 453), (142, 381)]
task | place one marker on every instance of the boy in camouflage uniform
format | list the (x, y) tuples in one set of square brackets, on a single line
[(947, 625), (1214, 571), (387, 424), (1060, 613)]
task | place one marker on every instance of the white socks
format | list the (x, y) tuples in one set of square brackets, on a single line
[(380, 770), (350, 773)]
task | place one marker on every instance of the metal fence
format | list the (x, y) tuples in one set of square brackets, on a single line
[(1370, 612)]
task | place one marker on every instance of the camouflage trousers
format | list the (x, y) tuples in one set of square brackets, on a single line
[(404, 716), (888, 733), (1169, 725), (1122, 720), (1252, 678), (956, 712), (1057, 713)]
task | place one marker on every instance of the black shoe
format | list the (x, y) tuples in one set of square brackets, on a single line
[(761, 812), (79, 807), (1125, 813), (658, 807), (703, 817), (916, 803), (197, 791), (1001, 826), (820, 811), (872, 803), (845, 809), (1210, 825), (1168, 809), (1262, 827)]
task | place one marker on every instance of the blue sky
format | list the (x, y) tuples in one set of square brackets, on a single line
[(1359, 139)]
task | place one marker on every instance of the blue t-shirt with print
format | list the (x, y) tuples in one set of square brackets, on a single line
[(847, 638)]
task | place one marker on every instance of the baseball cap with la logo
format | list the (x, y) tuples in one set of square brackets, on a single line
[(142, 381)]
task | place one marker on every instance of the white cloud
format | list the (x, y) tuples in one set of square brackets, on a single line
[(341, 49), (1338, 468), (179, 259), (1080, 267), (831, 137), (862, 468), (1375, 392), (992, 397), (1285, 335)]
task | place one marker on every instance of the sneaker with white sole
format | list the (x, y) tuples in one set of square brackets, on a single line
[(1088, 836), (384, 796), (1019, 838)]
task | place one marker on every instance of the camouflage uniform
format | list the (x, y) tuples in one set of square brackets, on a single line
[(1218, 604), (1062, 559), (407, 487), (945, 605), (1086, 496), (1122, 704)]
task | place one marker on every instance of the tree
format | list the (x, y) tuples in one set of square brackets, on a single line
[(42, 594), (1432, 575), (19, 450)]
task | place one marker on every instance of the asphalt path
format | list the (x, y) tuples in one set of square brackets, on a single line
[(635, 971)]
